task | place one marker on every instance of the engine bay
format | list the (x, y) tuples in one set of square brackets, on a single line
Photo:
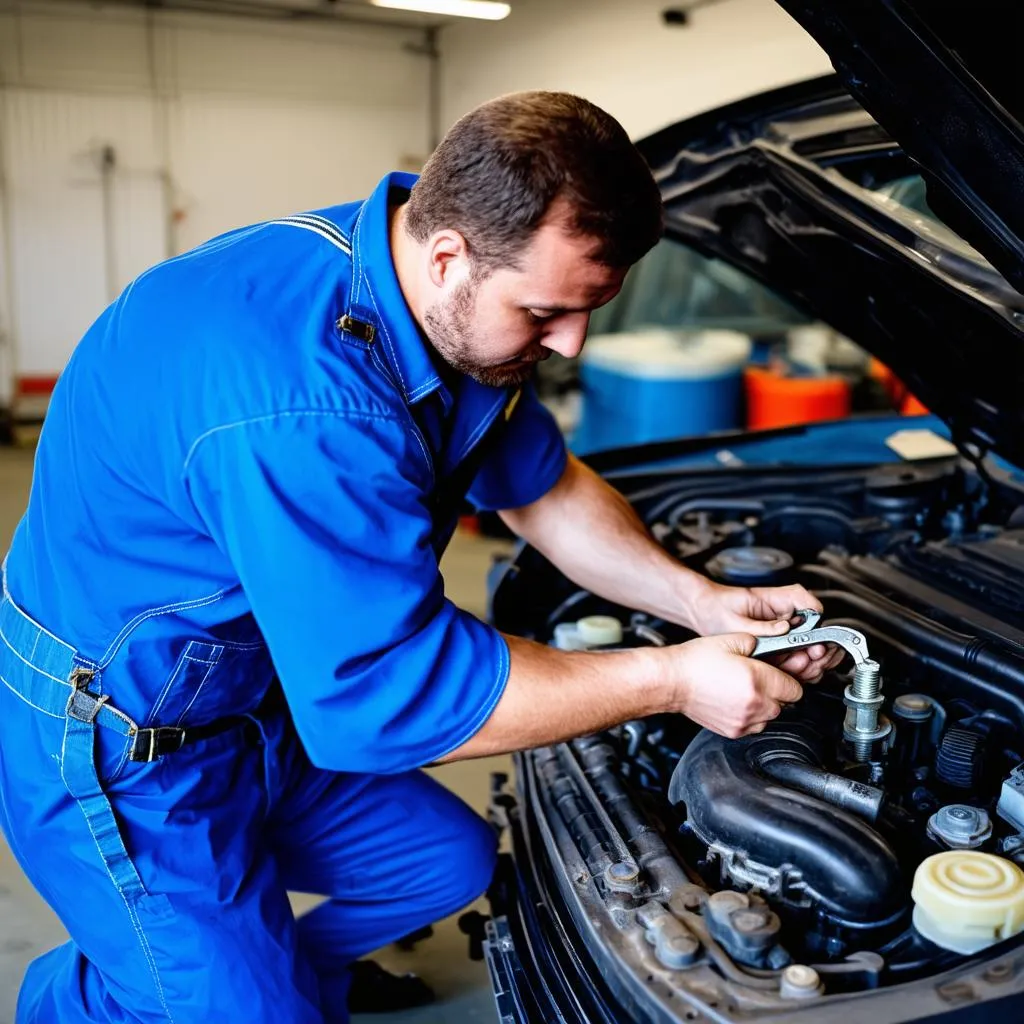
[(737, 879)]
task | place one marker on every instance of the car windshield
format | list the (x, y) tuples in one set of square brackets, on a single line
[(675, 286)]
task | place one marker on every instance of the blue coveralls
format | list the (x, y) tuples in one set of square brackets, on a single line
[(237, 483)]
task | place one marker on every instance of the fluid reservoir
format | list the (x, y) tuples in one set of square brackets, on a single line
[(599, 630), (588, 632), (965, 901)]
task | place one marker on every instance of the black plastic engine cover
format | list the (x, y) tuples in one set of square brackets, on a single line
[(848, 869)]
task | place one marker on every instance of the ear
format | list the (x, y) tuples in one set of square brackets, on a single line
[(447, 258)]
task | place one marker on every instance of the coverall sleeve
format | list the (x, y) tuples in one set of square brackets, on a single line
[(323, 517), (526, 463)]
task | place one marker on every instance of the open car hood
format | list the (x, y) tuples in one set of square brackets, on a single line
[(944, 80), (789, 186)]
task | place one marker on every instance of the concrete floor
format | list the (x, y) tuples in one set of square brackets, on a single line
[(28, 927)]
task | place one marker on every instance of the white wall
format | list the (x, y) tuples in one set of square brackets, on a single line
[(212, 122), (620, 55)]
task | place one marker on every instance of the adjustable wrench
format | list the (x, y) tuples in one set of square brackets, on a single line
[(807, 634)]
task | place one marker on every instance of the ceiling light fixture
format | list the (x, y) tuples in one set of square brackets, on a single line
[(487, 10)]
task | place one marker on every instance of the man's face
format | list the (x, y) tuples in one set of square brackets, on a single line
[(496, 328)]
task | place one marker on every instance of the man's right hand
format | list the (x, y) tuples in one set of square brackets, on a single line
[(725, 690)]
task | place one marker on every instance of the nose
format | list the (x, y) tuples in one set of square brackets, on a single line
[(567, 336)]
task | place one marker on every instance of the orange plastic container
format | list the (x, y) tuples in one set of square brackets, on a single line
[(913, 407), (775, 400)]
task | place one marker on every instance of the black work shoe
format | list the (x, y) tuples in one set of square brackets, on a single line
[(375, 990)]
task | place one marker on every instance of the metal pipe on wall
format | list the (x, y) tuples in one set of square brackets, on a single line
[(163, 136), (331, 11)]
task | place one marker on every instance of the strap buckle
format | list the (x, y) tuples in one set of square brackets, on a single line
[(360, 329), (151, 744), (84, 706)]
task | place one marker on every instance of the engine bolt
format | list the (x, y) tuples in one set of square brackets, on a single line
[(863, 726), (799, 982), (621, 876), (867, 680)]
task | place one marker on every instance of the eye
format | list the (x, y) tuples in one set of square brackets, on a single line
[(538, 316)]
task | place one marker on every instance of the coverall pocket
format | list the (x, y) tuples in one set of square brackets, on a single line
[(173, 700)]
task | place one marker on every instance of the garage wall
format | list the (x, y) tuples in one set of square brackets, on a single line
[(129, 135), (624, 58)]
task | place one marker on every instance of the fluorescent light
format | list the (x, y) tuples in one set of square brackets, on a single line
[(488, 10)]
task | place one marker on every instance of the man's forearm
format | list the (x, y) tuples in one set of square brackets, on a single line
[(554, 695), (587, 529)]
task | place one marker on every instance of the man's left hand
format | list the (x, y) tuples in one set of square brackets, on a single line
[(764, 611)]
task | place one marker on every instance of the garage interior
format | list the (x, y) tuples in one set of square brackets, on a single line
[(132, 131)]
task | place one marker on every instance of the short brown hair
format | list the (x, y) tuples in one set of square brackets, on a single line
[(501, 166)]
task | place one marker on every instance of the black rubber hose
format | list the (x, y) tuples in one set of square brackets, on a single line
[(601, 765), (999, 656), (997, 674), (599, 762), (846, 867), (591, 839)]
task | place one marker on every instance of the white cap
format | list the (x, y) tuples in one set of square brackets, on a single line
[(966, 900), (599, 630)]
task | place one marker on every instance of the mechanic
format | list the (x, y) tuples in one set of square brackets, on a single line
[(226, 646)]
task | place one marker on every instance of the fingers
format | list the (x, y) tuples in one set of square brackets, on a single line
[(802, 598), (801, 666), (786, 601), (737, 643), (773, 690), (836, 659), (779, 687), (810, 664)]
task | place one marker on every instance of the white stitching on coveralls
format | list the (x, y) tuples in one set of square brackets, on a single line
[(387, 338), (180, 606), (147, 951), (481, 429), (17, 693), (282, 414), (188, 707), (22, 658)]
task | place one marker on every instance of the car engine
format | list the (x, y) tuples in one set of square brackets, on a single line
[(837, 852)]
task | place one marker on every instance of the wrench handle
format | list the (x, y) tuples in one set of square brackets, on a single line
[(852, 641)]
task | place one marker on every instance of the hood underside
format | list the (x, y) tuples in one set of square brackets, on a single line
[(789, 187), (943, 79)]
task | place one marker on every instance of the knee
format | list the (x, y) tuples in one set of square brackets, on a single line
[(479, 856), (462, 862)]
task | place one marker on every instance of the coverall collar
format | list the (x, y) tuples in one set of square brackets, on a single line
[(377, 294)]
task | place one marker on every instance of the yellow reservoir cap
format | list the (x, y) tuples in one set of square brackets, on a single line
[(966, 900), (599, 630)]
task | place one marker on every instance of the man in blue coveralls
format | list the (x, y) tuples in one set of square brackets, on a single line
[(226, 649)]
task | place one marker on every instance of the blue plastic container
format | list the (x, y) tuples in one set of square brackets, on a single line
[(656, 385)]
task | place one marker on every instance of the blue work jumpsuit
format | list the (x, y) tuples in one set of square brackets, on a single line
[(231, 548)]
